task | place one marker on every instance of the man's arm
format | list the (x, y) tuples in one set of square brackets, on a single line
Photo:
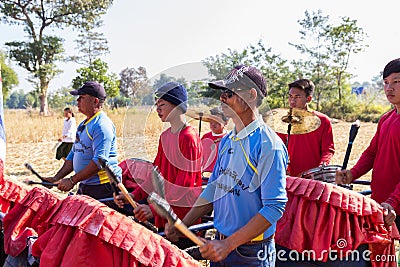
[(67, 184), (66, 169)]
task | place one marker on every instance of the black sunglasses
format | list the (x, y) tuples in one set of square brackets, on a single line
[(229, 93)]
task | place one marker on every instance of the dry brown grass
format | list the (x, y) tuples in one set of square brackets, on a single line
[(30, 138)]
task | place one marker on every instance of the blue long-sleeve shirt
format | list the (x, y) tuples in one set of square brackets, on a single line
[(95, 139), (249, 177)]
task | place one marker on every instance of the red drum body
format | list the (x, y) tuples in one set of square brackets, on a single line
[(324, 174), (136, 175)]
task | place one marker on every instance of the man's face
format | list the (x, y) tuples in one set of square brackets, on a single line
[(298, 98), (392, 88), (165, 109), (216, 127), (233, 102), (86, 103)]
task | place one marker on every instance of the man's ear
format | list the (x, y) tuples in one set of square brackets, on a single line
[(309, 98), (253, 94)]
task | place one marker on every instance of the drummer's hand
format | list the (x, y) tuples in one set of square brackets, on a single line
[(215, 250), (343, 177), (171, 232), (50, 180), (65, 184), (120, 200), (389, 213), (143, 213)]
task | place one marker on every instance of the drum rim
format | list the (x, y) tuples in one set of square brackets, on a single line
[(322, 168)]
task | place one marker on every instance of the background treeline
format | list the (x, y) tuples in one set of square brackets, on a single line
[(326, 49)]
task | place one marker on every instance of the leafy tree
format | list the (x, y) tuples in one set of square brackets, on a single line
[(14, 100), (275, 69), (91, 46), (40, 52), (133, 81), (97, 71), (164, 78), (20, 100), (8, 75), (328, 49), (61, 98)]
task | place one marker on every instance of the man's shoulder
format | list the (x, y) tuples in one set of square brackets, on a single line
[(323, 117), (267, 136), (207, 135)]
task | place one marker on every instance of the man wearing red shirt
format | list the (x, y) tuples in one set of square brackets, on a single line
[(382, 155), (310, 150), (211, 139), (178, 158)]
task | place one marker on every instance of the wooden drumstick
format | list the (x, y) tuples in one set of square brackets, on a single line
[(164, 209), (116, 183), (353, 133), (29, 167)]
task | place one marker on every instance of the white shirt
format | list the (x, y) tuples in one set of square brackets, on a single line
[(69, 130)]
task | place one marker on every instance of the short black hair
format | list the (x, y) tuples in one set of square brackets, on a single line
[(304, 84), (69, 110), (392, 67)]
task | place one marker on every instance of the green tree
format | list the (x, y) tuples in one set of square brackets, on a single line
[(328, 49), (164, 78), (14, 100), (61, 98), (20, 100), (132, 81), (275, 69), (91, 45), (8, 75), (97, 71), (39, 54)]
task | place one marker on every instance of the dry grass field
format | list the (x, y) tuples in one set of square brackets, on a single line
[(30, 138)]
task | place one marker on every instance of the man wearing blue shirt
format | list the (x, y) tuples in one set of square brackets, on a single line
[(247, 186), (95, 139)]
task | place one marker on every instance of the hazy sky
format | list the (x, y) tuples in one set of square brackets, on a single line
[(159, 35)]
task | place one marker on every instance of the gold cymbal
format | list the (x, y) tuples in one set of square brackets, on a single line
[(204, 115), (303, 121)]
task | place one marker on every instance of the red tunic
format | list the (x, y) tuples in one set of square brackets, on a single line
[(210, 144), (382, 156), (310, 150), (179, 161)]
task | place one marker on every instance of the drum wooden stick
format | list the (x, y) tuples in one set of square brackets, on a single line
[(40, 183), (353, 133), (29, 167), (116, 182), (164, 209)]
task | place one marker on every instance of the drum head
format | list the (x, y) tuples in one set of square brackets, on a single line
[(137, 171)]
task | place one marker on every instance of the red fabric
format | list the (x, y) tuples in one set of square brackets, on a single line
[(318, 215), (10, 193), (210, 144), (85, 232), (1, 171), (27, 218), (179, 161), (317, 145), (136, 176), (382, 156)]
